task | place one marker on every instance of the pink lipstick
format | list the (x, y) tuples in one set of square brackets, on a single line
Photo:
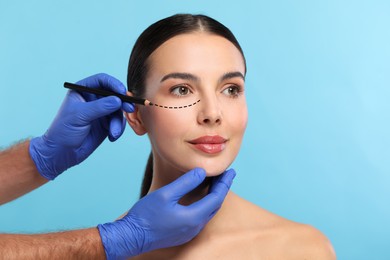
[(209, 144)]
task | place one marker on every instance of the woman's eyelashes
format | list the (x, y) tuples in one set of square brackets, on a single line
[(233, 91), (183, 90), (180, 90)]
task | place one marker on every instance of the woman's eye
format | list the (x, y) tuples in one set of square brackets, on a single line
[(232, 91), (180, 91)]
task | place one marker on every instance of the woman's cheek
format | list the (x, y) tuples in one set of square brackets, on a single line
[(243, 120), (237, 117), (166, 123)]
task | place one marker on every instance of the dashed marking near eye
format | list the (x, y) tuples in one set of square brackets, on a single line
[(176, 107)]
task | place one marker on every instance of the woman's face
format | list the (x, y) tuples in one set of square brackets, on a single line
[(187, 68)]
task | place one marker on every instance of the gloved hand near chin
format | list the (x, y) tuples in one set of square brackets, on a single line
[(159, 221), (81, 125)]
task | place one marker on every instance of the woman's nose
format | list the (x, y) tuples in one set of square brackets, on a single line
[(210, 112)]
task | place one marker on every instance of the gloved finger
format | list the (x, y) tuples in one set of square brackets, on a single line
[(209, 205), (184, 184), (103, 81), (90, 111), (128, 107), (109, 82), (226, 178), (117, 126)]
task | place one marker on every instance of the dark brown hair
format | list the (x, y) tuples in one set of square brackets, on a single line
[(154, 36)]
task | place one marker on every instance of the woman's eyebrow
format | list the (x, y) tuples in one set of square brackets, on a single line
[(191, 77), (179, 75), (230, 75)]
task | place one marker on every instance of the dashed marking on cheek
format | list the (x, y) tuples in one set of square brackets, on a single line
[(177, 107)]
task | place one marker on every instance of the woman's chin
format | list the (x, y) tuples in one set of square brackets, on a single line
[(212, 169), (211, 173), (215, 168)]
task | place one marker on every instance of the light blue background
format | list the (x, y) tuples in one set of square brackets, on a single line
[(317, 144)]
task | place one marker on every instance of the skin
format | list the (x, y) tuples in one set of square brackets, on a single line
[(18, 175), (240, 229), (25, 176)]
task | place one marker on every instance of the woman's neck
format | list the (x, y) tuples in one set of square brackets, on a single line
[(196, 194), (226, 216), (222, 220), (162, 178)]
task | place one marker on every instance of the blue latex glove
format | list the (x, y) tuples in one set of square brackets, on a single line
[(158, 220), (81, 125)]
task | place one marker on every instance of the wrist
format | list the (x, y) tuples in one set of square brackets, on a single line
[(42, 156), (121, 239)]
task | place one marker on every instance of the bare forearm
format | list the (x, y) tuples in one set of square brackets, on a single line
[(18, 174), (77, 244)]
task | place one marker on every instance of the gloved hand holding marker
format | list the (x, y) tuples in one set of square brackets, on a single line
[(81, 125)]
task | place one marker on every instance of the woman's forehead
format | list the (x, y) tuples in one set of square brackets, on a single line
[(194, 51)]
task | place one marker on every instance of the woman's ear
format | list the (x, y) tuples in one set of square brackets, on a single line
[(134, 120)]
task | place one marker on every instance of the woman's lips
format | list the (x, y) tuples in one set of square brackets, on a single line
[(210, 144)]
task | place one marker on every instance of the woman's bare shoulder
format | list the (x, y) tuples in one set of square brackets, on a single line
[(306, 242), (292, 239)]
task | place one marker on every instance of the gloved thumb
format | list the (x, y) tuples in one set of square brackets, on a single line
[(101, 107), (184, 184)]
